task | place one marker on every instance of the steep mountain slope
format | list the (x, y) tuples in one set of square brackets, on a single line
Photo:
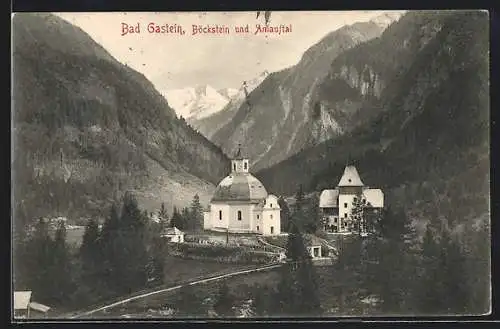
[(274, 124), (196, 102), (428, 145), (86, 128), (210, 125)]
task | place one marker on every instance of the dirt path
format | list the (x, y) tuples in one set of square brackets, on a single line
[(219, 277)]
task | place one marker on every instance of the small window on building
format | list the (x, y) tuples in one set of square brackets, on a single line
[(234, 166), (271, 216), (272, 229), (257, 218), (345, 215), (257, 227), (271, 205), (220, 214), (345, 204), (239, 214), (245, 166), (350, 180)]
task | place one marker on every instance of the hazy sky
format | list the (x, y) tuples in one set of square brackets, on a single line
[(175, 61)]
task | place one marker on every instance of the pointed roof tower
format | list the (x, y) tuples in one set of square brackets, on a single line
[(350, 177), (239, 155)]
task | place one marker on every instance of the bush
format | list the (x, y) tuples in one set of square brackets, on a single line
[(225, 254)]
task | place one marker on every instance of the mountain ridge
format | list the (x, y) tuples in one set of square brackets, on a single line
[(428, 145), (278, 110), (85, 122)]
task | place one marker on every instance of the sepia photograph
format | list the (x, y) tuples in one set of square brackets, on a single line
[(250, 165)]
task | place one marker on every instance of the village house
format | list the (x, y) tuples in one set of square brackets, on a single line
[(24, 308), (336, 205), (173, 234), (241, 204), (313, 246)]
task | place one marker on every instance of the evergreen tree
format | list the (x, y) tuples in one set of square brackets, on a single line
[(454, 278), (125, 247), (63, 284), (176, 219), (185, 219), (428, 285), (39, 259), (163, 215), (224, 303), (196, 220), (90, 256), (357, 215), (132, 261), (477, 255), (298, 289), (393, 257), (299, 200), (156, 263), (312, 215), (109, 233), (284, 214)]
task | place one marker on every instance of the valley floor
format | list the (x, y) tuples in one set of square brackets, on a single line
[(354, 302)]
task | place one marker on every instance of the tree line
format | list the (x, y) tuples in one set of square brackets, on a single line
[(441, 273), (123, 255)]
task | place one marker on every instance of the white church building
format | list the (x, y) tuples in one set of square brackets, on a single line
[(336, 204), (241, 204)]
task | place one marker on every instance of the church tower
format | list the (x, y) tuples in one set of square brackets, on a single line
[(239, 164), (349, 187)]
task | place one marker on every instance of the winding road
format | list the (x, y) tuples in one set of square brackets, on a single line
[(219, 277)]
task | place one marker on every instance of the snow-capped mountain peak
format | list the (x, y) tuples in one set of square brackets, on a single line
[(196, 102), (202, 101), (228, 92), (386, 19)]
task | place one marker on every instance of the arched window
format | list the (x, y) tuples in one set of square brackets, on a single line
[(239, 214)]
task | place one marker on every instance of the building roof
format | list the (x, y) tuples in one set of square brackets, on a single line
[(21, 300), (240, 187), (172, 231), (375, 197), (39, 307), (329, 198), (350, 177)]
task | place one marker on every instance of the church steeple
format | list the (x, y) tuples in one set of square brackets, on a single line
[(239, 163)]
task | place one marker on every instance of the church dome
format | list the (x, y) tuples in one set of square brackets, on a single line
[(240, 187)]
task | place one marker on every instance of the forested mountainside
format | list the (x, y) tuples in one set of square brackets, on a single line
[(428, 147), (274, 121), (86, 128)]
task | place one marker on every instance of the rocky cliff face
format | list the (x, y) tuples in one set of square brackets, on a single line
[(86, 128), (427, 144), (281, 116)]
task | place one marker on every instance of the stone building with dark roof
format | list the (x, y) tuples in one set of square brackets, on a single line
[(241, 203), (336, 204)]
